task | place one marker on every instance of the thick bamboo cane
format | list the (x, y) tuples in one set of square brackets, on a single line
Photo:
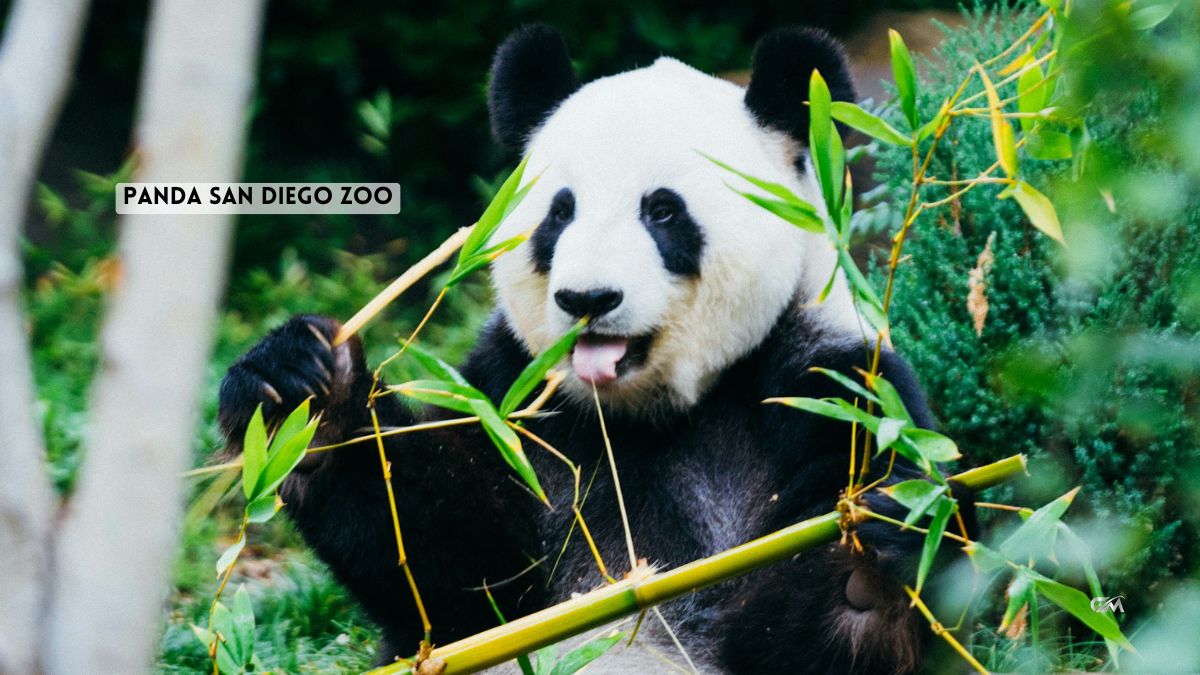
[(609, 603)]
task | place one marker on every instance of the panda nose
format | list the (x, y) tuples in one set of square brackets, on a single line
[(594, 303)]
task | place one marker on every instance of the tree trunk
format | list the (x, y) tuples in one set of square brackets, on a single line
[(119, 532), (36, 56)]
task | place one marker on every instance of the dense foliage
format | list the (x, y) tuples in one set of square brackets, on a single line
[(1087, 359)]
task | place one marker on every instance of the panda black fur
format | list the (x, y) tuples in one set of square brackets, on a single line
[(702, 307)]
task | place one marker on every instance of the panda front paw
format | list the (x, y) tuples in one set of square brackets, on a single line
[(294, 362)]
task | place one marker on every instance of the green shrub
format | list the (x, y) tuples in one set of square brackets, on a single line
[(1088, 357)]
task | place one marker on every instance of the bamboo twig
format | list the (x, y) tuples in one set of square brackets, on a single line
[(634, 594), (401, 284), (940, 630)]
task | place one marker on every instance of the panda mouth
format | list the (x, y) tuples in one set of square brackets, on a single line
[(602, 359)]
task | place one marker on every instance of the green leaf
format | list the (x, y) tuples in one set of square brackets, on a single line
[(243, 624), (263, 509), (575, 660), (932, 445), (933, 124), (847, 382), (893, 405), (295, 421), (1035, 537), (254, 452), (889, 430), (235, 650), (1048, 144), (1078, 606), (825, 408), (825, 144), (1084, 555), (230, 555), (535, 372), (1147, 15), (285, 458), (918, 495), (854, 116), (450, 395), (225, 661), (984, 558), (801, 217), (436, 366), (906, 78), (1020, 591), (502, 204), (775, 189), (1031, 95), (937, 527), (1037, 207), (483, 259), (508, 443)]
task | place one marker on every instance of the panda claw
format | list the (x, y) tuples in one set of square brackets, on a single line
[(319, 335), (271, 393)]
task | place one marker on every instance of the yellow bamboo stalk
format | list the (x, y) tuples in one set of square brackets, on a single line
[(401, 284), (628, 596)]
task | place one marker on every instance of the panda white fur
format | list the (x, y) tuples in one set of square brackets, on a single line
[(701, 305)]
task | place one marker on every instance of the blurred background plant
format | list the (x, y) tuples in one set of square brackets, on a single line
[(1087, 358)]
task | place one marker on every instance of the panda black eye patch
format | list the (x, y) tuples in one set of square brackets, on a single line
[(561, 213), (679, 239)]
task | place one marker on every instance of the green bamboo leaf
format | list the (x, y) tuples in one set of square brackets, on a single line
[(1147, 15), (932, 445), (776, 189), (508, 443), (254, 452), (535, 372), (918, 495), (483, 259), (263, 508), (502, 204), (225, 661), (854, 116), (1031, 95), (1035, 537), (889, 431), (858, 414), (984, 558), (230, 555), (1079, 606), (1037, 207), (243, 624), (1020, 591), (847, 382), (906, 78), (575, 660), (937, 527), (223, 624), (933, 124), (893, 405), (825, 144), (285, 458), (907, 449), (1048, 144), (804, 218), (449, 395), (1084, 555), (436, 366), (295, 421), (816, 406)]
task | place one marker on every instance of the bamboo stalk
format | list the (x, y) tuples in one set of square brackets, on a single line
[(401, 284), (632, 595)]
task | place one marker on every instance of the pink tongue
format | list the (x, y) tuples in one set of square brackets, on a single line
[(595, 361)]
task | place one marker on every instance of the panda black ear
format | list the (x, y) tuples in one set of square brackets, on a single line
[(784, 60), (531, 76)]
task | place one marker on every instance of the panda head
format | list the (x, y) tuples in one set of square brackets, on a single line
[(635, 228)]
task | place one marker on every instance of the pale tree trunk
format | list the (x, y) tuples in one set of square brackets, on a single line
[(36, 56), (114, 550), (83, 589)]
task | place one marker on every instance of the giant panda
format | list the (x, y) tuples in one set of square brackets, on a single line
[(701, 305)]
